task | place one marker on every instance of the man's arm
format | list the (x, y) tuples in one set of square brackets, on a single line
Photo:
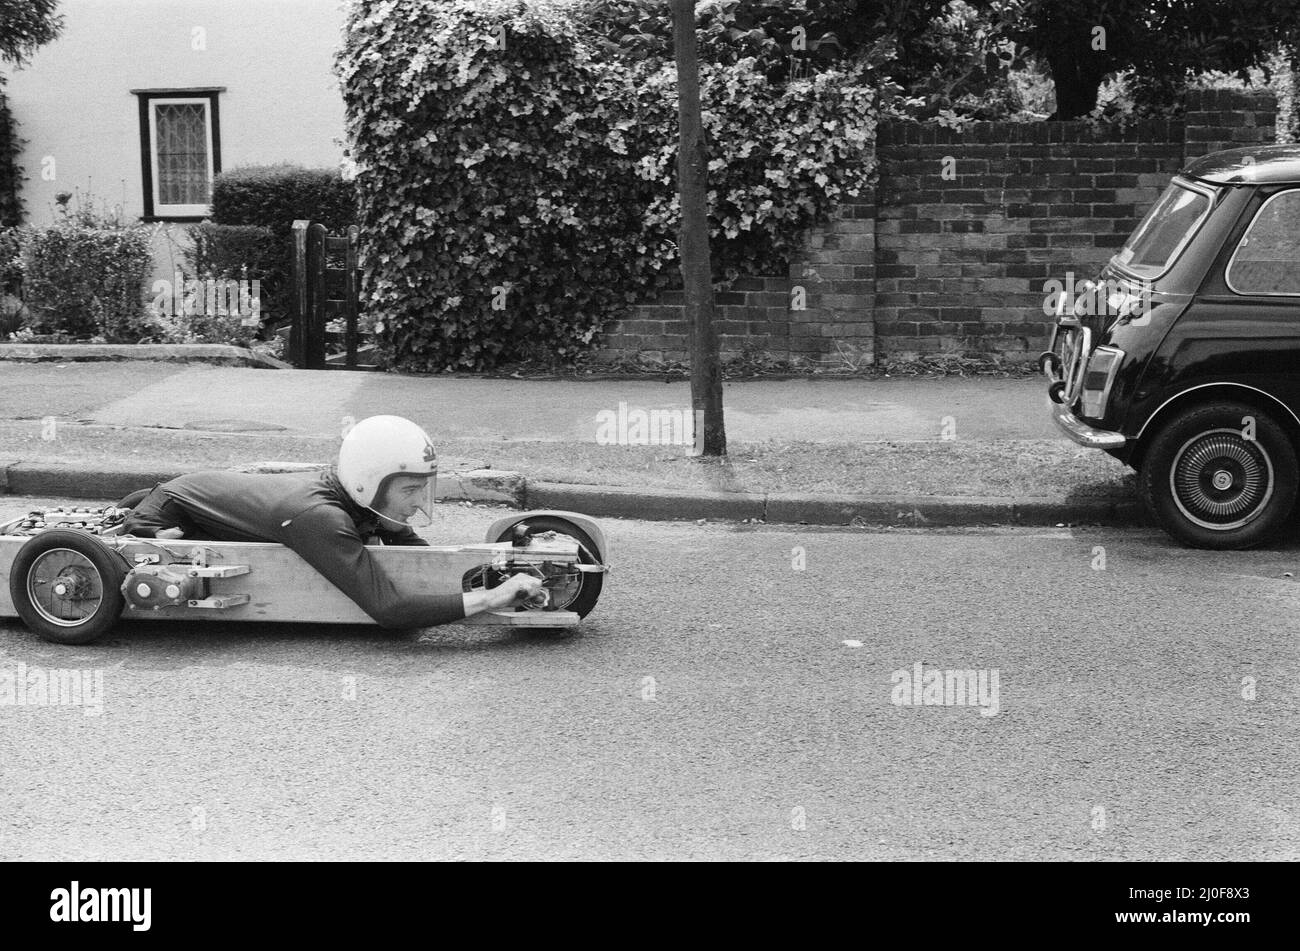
[(328, 541)]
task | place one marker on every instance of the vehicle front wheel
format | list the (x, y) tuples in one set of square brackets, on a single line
[(582, 593), (1220, 476)]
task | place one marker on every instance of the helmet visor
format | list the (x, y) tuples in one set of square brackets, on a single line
[(423, 515), (407, 501)]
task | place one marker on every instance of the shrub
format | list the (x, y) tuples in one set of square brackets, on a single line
[(220, 254), (211, 310), (11, 202), (782, 156), (231, 250), (946, 59), (513, 199), (274, 195), (726, 31), (1282, 68), (85, 277), (11, 258), (12, 311), (974, 71)]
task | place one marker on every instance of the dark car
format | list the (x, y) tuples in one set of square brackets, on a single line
[(1183, 359)]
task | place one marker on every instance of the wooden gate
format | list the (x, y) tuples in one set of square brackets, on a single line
[(326, 282)]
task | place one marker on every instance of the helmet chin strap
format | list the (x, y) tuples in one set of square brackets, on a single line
[(388, 519)]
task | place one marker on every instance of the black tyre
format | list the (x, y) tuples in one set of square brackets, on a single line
[(581, 600), (67, 586), (1211, 485)]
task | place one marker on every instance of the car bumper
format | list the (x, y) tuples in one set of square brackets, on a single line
[(1084, 434)]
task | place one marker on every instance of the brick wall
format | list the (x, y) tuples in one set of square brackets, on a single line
[(1220, 119), (952, 250), (820, 310), (972, 224)]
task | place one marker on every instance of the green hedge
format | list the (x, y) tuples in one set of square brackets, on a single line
[(11, 258), (272, 197), (781, 158), (231, 250), (515, 198), (85, 281), (12, 311)]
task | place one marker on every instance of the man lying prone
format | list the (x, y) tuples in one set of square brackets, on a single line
[(385, 475)]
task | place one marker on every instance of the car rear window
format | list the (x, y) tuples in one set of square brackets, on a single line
[(1267, 261), (1168, 226)]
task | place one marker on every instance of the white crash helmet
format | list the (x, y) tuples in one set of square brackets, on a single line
[(379, 447)]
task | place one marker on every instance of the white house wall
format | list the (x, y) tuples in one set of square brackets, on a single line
[(75, 109)]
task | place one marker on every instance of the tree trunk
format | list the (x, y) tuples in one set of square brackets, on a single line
[(1077, 83), (693, 243)]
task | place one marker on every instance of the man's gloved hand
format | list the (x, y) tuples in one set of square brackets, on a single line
[(519, 589)]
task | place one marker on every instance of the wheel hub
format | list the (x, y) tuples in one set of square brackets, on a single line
[(1221, 480), (64, 587), (71, 584)]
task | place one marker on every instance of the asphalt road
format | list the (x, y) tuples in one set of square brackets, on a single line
[(720, 703)]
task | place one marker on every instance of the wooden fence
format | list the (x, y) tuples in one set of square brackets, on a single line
[(326, 283)]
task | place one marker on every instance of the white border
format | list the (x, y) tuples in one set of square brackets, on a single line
[(161, 210)]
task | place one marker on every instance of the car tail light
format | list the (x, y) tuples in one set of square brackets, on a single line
[(1097, 380)]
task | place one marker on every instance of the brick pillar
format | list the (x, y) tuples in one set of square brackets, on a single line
[(1219, 119)]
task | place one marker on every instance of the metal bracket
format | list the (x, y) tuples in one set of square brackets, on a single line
[(219, 571), (225, 601)]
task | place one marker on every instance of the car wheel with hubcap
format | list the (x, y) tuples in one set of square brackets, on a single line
[(1221, 476)]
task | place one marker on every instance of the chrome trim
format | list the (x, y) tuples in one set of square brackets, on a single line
[(1201, 386), (1074, 370), (1227, 271), (1192, 186), (1051, 349), (1084, 434), (1219, 526)]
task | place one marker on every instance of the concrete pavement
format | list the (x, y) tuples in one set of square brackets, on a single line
[(314, 401)]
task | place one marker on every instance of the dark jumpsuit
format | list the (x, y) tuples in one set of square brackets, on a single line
[(308, 512)]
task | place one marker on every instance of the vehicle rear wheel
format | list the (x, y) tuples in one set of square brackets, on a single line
[(1221, 476), (67, 586), (581, 596)]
